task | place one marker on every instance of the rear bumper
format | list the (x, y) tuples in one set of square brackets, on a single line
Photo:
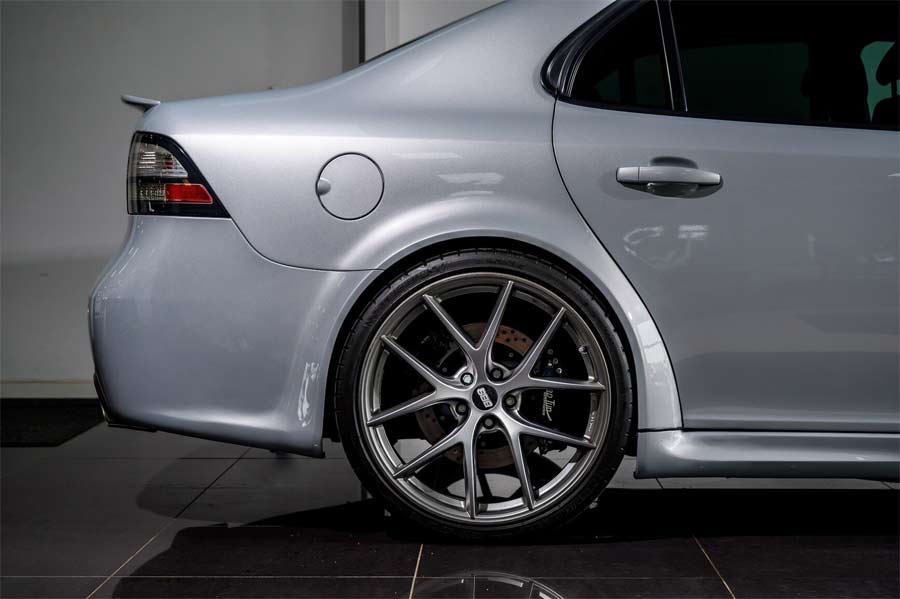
[(194, 332), (111, 419)]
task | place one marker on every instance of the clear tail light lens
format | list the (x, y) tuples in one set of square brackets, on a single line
[(162, 180)]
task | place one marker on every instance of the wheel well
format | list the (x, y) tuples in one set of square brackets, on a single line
[(453, 246)]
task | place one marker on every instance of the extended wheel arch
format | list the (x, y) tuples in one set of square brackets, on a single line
[(405, 262)]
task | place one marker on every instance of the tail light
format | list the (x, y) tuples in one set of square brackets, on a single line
[(162, 180)]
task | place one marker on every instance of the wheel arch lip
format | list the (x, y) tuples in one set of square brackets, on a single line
[(656, 392)]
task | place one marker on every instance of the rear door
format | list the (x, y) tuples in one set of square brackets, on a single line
[(747, 181)]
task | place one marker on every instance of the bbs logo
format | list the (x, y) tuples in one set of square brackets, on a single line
[(485, 398)]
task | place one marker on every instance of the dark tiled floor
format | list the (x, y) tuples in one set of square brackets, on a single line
[(116, 513)]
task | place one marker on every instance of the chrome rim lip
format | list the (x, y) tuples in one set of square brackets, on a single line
[(385, 455)]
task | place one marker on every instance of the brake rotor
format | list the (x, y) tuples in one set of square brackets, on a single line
[(493, 451)]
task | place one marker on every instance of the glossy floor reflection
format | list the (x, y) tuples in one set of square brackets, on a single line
[(116, 513)]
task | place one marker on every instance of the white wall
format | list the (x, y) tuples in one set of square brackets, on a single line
[(390, 23), (65, 138), (65, 134)]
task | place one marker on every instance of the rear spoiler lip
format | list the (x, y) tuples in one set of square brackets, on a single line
[(144, 104)]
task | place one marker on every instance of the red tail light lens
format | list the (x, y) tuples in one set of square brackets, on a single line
[(162, 180), (187, 193)]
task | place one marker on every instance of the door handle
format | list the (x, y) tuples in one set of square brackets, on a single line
[(666, 175)]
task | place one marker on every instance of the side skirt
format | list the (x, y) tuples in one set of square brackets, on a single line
[(752, 454)]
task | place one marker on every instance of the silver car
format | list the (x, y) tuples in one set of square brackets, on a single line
[(494, 261)]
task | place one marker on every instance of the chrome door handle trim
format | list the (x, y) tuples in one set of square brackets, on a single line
[(641, 175)]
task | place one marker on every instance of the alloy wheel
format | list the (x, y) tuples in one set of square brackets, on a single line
[(483, 398)]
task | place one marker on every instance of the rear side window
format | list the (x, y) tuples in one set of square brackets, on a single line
[(626, 67), (789, 61)]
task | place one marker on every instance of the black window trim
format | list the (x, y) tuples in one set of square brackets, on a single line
[(673, 57), (559, 70)]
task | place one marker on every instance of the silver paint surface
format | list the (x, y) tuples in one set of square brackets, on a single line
[(777, 293), (461, 131), (194, 332), (759, 454), (763, 292)]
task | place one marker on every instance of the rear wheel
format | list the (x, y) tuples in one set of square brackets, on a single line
[(484, 393)]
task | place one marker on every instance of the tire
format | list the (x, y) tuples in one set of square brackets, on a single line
[(418, 377)]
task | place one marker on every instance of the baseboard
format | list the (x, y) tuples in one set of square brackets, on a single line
[(74, 388)]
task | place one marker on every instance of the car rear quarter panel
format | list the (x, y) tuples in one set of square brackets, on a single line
[(456, 122), (461, 129)]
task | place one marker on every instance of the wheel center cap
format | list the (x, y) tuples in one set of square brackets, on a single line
[(484, 397)]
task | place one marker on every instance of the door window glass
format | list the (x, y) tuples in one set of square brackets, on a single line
[(626, 66), (789, 61)]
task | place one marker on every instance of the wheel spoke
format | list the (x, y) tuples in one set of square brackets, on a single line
[(459, 335), (433, 378), (563, 384), (493, 325), (518, 455), (534, 353), (407, 407), (535, 430), (430, 454), (470, 472)]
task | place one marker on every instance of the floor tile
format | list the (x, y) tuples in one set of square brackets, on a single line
[(108, 442), (805, 556), (664, 557), (276, 526), (14, 459), (783, 513), (625, 514), (347, 540), (577, 588), (258, 489), (255, 453), (624, 477), (496, 585), (85, 517), (799, 542), (290, 586), (627, 533), (765, 587), (57, 587)]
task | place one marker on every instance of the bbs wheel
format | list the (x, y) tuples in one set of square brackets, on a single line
[(483, 394)]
